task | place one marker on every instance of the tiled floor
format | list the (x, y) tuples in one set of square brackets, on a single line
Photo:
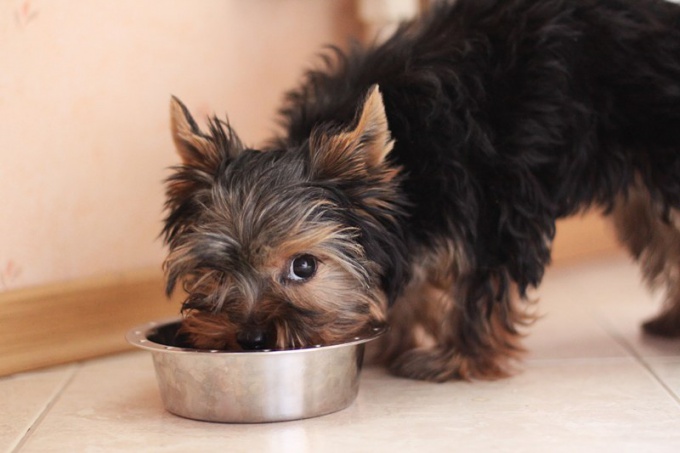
[(591, 383)]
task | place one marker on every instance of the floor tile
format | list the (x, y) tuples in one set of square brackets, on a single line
[(24, 398), (608, 405), (612, 403), (566, 329), (605, 296), (565, 301), (621, 303), (668, 372)]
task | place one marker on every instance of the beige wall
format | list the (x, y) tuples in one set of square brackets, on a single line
[(84, 93), (84, 141)]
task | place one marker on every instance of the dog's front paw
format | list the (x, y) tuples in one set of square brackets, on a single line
[(440, 365), (429, 364)]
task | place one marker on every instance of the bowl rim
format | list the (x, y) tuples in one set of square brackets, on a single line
[(138, 337)]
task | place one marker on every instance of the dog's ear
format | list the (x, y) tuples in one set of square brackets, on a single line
[(372, 132), (192, 145), (362, 148), (197, 149)]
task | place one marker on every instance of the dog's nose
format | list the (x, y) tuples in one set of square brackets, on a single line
[(251, 339)]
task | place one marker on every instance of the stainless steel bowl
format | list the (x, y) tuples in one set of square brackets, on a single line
[(251, 387)]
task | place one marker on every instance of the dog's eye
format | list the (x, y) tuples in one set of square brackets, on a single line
[(302, 268)]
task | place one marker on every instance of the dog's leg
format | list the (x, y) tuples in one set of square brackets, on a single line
[(655, 243), (434, 336), (643, 83)]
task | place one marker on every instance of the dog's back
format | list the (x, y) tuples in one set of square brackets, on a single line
[(509, 114)]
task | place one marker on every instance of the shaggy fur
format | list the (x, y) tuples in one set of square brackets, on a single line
[(436, 194)]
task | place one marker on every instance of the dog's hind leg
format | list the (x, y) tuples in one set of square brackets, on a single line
[(655, 243), (645, 122)]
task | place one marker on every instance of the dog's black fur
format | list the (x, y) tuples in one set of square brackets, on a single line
[(506, 115)]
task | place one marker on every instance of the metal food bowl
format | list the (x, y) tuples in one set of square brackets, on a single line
[(251, 387)]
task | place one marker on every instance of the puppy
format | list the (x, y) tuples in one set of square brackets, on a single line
[(417, 184)]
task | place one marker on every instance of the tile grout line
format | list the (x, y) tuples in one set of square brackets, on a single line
[(616, 336), (52, 400)]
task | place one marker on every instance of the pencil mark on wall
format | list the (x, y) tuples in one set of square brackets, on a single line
[(9, 274), (25, 13)]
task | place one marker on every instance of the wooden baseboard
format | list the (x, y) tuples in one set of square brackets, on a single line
[(60, 323)]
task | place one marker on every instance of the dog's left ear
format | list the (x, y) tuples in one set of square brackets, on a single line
[(362, 148), (372, 132)]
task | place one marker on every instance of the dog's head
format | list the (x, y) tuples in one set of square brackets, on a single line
[(284, 248)]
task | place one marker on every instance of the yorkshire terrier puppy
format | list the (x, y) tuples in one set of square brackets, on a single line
[(417, 184)]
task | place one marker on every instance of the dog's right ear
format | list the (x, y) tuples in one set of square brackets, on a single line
[(192, 145), (197, 149)]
